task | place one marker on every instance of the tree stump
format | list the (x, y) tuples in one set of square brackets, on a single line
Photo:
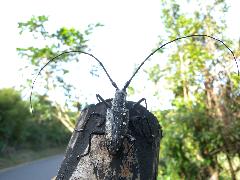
[(87, 156)]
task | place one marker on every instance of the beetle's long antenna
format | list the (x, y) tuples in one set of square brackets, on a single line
[(67, 52), (183, 37)]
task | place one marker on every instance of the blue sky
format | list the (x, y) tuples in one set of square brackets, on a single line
[(130, 32)]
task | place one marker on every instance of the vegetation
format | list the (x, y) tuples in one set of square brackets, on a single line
[(20, 130), (51, 123), (14, 117), (201, 131), (53, 75)]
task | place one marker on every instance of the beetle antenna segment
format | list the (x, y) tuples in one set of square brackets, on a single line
[(169, 42), (68, 52)]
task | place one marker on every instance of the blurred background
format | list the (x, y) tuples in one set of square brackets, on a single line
[(192, 85)]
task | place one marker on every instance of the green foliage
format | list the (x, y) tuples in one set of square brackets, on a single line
[(45, 125), (14, 116), (35, 24), (154, 73), (51, 44), (130, 90), (201, 131), (188, 135), (20, 129)]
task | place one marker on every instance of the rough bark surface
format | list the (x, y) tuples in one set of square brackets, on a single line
[(87, 156)]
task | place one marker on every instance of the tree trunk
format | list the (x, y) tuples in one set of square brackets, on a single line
[(87, 155)]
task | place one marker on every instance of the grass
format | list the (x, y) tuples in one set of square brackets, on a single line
[(27, 155)]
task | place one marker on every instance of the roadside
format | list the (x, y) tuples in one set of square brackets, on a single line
[(45, 168), (28, 155)]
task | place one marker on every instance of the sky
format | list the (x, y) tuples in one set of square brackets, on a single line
[(131, 30)]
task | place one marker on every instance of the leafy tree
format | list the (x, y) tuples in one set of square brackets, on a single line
[(51, 44), (14, 116), (44, 127), (19, 129), (202, 130)]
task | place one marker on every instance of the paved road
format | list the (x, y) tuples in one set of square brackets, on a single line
[(43, 169)]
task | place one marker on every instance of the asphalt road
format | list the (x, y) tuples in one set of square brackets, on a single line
[(43, 169)]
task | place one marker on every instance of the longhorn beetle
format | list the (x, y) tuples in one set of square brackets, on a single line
[(117, 114)]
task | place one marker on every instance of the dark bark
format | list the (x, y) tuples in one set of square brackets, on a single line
[(87, 156)]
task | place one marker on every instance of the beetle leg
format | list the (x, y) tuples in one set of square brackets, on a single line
[(130, 137), (139, 102), (132, 141), (89, 142), (100, 99)]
